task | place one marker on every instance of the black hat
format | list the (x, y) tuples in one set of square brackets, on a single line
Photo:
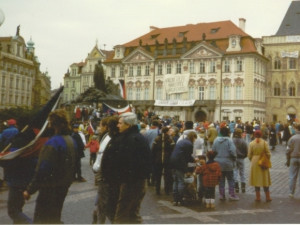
[(189, 124)]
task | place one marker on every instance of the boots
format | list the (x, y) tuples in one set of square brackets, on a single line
[(207, 201), (268, 198), (236, 186), (257, 196), (243, 187), (212, 203), (222, 193), (232, 195)]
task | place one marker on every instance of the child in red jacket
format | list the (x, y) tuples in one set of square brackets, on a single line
[(211, 175), (94, 147)]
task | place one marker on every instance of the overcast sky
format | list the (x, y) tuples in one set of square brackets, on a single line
[(65, 31)]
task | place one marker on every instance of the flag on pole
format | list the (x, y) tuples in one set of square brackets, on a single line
[(122, 88)]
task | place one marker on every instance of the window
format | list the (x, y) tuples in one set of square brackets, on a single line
[(239, 65), (3, 81), (3, 98), (255, 92), (226, 93), (201, 93), (158, 93), (238, 92), (178, 68), (277, 64), (131, 71), (212, 67), (191, 93), (67, 84), (121, 71), (202, 67), (159, 70), (192, 67), (292, 63), (139, 71), (113, 72), (138, 94), (17, 83), (169, 68), (130, 94), (147, 70), (277, 90), (73, 84), (177, 96), (146, 94), (226, 66), (11, 82), (292, 89), (212, 92)]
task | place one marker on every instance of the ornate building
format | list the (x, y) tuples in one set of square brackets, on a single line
[(21, 82), (80, 76), (282, 49), (205, 71)]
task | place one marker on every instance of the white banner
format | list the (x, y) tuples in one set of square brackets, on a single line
[(176, 83), (294, 54), (174, 102), (295, 38)]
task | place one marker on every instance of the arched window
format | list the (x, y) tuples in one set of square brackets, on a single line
[(277, 64), (292, 89), (277, 90)]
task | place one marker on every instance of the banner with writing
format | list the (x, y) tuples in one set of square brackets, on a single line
[(176, 83), (174, 102)]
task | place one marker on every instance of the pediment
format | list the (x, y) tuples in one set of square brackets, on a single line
[(138, 56), (202, 51)]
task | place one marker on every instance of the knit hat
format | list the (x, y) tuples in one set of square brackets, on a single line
[(11, 122)]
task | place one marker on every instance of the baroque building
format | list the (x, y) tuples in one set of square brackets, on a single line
[(80, 76), (22, 84), (282, 50), (206, 71)]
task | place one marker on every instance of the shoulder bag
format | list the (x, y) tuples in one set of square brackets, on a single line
[(264, 162)]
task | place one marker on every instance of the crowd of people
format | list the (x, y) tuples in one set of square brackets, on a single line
[(130, 153)]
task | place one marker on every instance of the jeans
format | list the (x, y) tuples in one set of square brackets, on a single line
[(229, 176), (129, 202), (178, 185), (239, 170), (293, 173), (15, 204), (49, 204)]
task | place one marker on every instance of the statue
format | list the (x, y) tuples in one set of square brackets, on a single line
[(99, 77), (203, 36), (18, 31)]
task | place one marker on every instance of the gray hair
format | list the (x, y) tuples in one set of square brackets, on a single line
[(129, 118)]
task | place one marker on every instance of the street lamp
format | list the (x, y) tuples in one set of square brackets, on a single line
[(2, 17)]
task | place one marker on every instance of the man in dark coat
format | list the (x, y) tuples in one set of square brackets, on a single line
[(80, 153), (132, 168)]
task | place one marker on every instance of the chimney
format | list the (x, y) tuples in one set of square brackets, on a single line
[(242, 23)]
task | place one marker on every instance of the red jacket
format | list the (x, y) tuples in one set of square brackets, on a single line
[(93, 145), (211, 174)]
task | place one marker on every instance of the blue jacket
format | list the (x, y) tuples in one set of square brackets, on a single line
[(226, 150), (182, 155), (8, 134)]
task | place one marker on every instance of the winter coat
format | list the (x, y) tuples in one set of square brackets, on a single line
[(79, 143), (241, 147), (56, 164), (258, 177), (212, 134), (93, 145), (273, 137), (293, 147), (157, 149), (198, 144), (211, 173), (8, 134), (226, 150), (182, 155), (127, 157)]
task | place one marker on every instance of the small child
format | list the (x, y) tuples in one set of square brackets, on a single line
[(94, 147), (211, 175)]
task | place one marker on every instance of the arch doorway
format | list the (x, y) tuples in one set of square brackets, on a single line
[(200, 116)]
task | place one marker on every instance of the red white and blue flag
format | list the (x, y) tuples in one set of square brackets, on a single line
[(122, 89)]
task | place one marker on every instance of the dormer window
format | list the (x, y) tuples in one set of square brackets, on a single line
[(233, 42)]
